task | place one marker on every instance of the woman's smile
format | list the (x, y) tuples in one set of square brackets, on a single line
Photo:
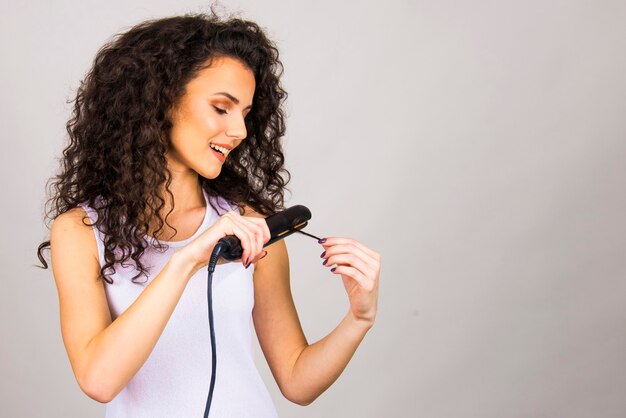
[(214, 107), (220, 151)]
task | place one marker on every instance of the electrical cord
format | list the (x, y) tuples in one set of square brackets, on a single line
[(215, 255), (222, 247)]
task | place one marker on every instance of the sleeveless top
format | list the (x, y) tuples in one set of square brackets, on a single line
[(174, 381)]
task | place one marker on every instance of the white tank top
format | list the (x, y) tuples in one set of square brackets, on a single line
[(174, 381)]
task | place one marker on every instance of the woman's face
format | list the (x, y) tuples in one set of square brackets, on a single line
[(206, 118)]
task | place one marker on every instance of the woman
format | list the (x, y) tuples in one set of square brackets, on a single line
[(175, 142)]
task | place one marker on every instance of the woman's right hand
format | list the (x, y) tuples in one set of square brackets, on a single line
[(252, 231)]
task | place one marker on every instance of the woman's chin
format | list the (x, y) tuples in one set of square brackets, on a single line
[(211, 173)]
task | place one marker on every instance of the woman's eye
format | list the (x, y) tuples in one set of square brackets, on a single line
[(219, 110)]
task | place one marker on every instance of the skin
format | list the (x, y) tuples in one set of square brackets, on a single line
[(106, 354)]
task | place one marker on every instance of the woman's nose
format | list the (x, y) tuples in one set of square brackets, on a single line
[(237, 128)]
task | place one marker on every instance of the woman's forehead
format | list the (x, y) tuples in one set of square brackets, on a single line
[(225, 75)]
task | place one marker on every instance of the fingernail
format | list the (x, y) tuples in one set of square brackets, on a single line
[(333, 269), (323, 254), (247, 265), (325, 261), (321, 241), (264, 254)]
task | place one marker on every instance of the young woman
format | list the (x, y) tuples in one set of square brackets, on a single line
[(175, 142)]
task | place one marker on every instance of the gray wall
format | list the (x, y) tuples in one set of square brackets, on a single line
[(478, 146)]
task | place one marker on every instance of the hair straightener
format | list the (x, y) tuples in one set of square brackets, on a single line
[(281, 225)]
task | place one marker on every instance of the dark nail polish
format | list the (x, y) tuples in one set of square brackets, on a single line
[(333, 269), (325, 261), (323, 254), (323, 240)]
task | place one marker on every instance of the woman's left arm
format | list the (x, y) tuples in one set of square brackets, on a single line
[(303, 371)]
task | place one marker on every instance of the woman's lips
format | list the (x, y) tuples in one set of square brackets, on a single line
[(218, 155)]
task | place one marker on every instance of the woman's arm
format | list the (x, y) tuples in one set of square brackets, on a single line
[(303, 371), (106, 354)]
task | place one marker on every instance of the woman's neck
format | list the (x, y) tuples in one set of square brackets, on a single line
[(188, 206), (186, 190)]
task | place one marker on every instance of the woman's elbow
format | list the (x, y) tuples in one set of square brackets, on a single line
[(304, 402), (96, 388), (297, 398)]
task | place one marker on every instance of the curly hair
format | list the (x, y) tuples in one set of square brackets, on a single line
[(119, 130)]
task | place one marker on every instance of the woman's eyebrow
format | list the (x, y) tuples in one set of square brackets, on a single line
[(232, 98)]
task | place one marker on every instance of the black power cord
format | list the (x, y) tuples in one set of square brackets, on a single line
[(281, 225), (215, 255)]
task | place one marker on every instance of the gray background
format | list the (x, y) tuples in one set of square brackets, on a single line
[(479, 146)]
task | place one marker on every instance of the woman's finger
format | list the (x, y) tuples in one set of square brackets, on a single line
[(349, 249), (258, 235), (259, 226), (331, 241), (259, 257), (246, 240), (264, 228), (365, 283), (351, 260)]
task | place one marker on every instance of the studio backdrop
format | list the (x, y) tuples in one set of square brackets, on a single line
[(479, 146)]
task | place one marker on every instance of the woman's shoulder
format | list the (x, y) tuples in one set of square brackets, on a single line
[(73, 229), (250, 211), (72, 218), (72, 238)]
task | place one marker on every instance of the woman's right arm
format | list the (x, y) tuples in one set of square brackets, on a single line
[(106, 354)]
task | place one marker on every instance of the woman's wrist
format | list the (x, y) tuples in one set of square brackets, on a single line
[(183, 262), (363, 324)]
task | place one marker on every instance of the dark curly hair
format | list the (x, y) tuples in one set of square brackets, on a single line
[(119, 131)]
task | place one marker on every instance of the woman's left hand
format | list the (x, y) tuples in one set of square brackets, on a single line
[(359, 268)]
